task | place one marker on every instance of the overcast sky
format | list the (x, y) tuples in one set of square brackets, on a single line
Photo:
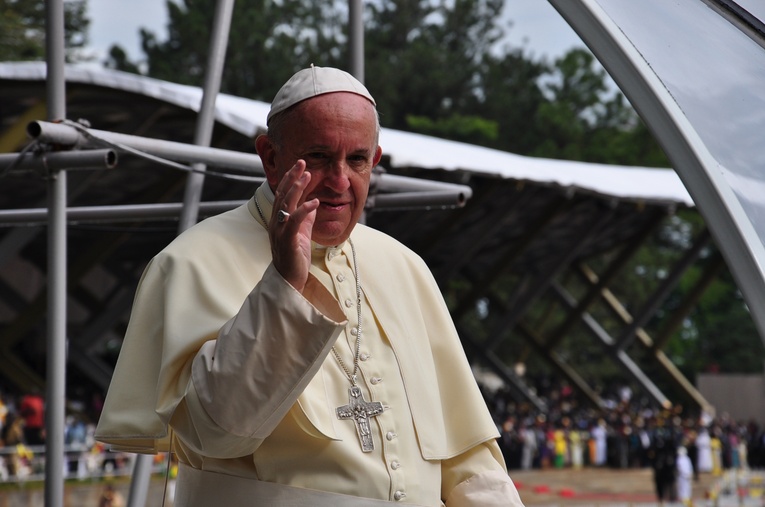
[(536, 26)]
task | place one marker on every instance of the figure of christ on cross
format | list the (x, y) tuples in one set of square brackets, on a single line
[(360, 411)]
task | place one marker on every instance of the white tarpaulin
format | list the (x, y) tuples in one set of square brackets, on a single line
[(405, 149)]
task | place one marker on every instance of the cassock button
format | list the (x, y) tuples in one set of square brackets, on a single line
[(390, 435), (354, 331), (399, 495), (395, 465), (340, 277), (348, 303), (364, 356), (376, 380)]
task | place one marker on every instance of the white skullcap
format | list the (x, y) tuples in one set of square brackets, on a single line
[(314, 81)]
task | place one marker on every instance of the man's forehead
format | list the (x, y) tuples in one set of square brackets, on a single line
[(313, 82)]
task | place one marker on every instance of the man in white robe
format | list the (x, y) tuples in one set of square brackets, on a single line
[(292, 357), (684, 476)]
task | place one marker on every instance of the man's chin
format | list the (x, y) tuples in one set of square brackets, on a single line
[(330, 234)]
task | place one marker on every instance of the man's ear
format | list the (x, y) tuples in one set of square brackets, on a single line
[(267, 153), (377, 157)]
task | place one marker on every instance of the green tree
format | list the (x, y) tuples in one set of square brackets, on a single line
[(22, 29), (268, 42), (118, 59), (584, 118), (423, 58), (510, 96), (469, 129)]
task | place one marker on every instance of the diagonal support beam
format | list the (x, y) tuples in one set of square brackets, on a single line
[(593, 293), (506, 373), (429, 243), (567, 370), (715, 265), (535, 230), (542, 282), (663, 291), (613, 303), (619, 355), (484, 231)]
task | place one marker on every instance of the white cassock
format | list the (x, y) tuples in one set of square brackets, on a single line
[(684, 476), (224, 351), (703, 451)]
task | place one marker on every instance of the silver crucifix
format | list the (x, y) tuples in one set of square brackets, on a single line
[(360, 411)]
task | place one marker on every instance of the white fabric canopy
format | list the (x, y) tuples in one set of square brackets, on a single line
[(405, 149)]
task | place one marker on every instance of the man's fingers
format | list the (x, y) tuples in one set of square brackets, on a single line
[(289, 192)]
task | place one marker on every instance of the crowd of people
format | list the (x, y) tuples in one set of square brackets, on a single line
[(22, 440), (628, 433)]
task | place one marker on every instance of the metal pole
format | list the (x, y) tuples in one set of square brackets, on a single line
[(67, 135), (53, 161), (206, 119), (139, 484), (356, 38), (130, 212), (417, 200), (111, 214), (194, 184), (55, 384)]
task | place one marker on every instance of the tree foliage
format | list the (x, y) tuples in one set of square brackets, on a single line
[(435, 67), (22, 29), (268, 42)]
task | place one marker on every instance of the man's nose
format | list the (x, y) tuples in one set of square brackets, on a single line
[(338, 176)]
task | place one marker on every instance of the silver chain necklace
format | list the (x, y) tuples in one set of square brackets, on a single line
[(356, 353), (357, 408)]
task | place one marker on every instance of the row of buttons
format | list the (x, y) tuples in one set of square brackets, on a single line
[(364, 356)]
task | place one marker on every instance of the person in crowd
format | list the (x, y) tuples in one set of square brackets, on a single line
[(663, 456), (560, 447), (32, 409), (529, 445), (110, 497), (716, 446), (13, 436), (599, 434), (684, 476), (295, 357), (3, 412), (704, 450)]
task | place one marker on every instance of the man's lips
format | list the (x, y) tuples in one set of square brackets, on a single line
[(329, 205)]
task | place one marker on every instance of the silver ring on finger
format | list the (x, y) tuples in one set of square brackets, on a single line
[(282, 216)]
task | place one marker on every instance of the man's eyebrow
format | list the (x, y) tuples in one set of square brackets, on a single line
[(316, 147), (324, 147)]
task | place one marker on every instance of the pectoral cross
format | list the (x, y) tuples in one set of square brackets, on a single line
[(360, 411)]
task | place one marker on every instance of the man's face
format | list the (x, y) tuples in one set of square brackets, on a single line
[(335, 134)]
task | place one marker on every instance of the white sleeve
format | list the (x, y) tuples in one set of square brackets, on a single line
[(478, 478), (245, 381), (487, 489)]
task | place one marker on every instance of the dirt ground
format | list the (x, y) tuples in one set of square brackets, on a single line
[(594, 486), (600, 487)]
